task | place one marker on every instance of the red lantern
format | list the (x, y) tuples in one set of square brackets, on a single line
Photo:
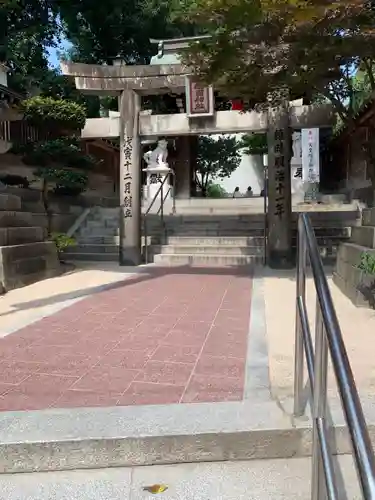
[(237, 105)]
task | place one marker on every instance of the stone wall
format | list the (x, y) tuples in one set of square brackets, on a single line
[(65, 209), (347, 276), (99, 184), (24, 255), (350, 163)]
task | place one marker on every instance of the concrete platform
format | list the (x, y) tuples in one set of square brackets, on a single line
[(232, 406), (163, 338), (258, 479)]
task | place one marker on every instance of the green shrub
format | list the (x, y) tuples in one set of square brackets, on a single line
[(15, 180), (61, 113), (216, 191), (367, 263), (63, 241), (63, 150), (63, 177)]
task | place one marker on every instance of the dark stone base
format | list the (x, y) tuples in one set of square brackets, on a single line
[(130, 256), (279, 259), (25, 264)]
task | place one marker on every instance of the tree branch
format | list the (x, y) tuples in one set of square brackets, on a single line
[(370, 74), (340, 108)]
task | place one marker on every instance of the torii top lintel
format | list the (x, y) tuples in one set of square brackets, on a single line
[(165, 72), (102, 79)]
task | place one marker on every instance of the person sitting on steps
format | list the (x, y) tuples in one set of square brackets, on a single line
[(249, 192), (236, 193)]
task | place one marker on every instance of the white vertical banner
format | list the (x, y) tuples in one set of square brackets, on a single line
[(310, 155)]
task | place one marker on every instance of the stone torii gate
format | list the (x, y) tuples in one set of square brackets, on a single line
[(129, 83)]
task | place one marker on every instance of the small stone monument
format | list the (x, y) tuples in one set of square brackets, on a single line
[(297, 186), (157, 169)]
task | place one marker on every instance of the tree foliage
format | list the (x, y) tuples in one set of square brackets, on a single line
[(59, 160), (254, 144), (100, 31), (217, 158), (27, 29), (60, 113), (263, 50), (259, 47)]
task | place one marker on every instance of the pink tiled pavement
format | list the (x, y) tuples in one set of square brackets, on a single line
[(168, 337)]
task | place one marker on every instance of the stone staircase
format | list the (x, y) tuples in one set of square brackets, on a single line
[(202, 239), (348, 277), (24, 255)]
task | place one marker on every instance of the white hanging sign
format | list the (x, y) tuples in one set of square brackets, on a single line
[(310, 155), (199, 99)]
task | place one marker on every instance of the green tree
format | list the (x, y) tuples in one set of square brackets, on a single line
[(59, 160), (100, 31), (259, 48), (217, 158), (27, 29), (254, 144)]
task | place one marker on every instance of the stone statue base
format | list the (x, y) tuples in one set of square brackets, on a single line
[(297, 184), (155, 176)]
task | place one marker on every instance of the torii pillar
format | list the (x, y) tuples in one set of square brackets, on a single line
[(280, 253), (130, 179)]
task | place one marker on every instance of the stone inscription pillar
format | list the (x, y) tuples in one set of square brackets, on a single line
[(130, 180), (280, 255)]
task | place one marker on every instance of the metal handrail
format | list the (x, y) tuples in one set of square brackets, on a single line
[(160, 210), (265, 215), (328, 339)]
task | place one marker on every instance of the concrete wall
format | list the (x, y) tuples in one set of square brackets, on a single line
[(249, 173), (221, 122), (65, 209), (3, 76)]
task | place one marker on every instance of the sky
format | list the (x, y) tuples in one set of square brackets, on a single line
[(53, 58)]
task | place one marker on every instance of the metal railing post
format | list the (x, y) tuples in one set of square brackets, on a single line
[(161, 202), (299, 349), (318, 487), (265, 215), (174, 193), (328, 339)]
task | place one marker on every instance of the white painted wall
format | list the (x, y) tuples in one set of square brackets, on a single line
[(249, 173), (3, 76)]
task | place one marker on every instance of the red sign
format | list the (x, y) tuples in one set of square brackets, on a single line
[(199, 99)]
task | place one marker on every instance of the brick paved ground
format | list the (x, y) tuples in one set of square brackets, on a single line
[(169, 337)]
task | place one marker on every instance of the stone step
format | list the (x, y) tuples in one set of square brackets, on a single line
[(211, 250), (10, 202), (335, 217), (102, 231), (363, 235), (110, 240), (91, 257), (277, 479), (19, 235), (16, 219), (208, 260), (90, 224), (127, 436), (213, 240), (208, 232), (240, 240), (93, 248)]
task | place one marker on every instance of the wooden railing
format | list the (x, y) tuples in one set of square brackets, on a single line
[(21, 132)]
